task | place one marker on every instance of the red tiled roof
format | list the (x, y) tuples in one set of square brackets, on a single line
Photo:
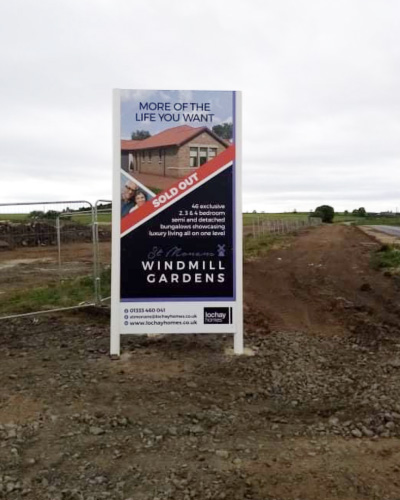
[(128, 144), (175, 136)]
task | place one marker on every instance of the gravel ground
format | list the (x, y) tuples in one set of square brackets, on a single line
[(314, 414), (177, 418)]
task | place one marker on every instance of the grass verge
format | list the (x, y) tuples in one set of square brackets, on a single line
[(67, 293), (387, 257), (259, 247)]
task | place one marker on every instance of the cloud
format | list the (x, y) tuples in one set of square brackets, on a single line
[(320, 84)]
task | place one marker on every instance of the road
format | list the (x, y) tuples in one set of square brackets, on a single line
[(392, 230)]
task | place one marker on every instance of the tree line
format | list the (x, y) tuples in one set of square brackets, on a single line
[(223, 130)]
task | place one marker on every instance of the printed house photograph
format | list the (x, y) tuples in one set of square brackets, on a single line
[(159, 160)]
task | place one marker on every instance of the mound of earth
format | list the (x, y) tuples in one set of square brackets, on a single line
[(322, 282)]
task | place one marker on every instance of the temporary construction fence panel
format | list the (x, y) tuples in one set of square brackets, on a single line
[(46, 257)]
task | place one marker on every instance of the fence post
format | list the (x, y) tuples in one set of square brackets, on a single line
[(99, 296), (95, 257), (58, 229)]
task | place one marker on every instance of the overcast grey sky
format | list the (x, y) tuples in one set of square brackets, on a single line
[(320, 82)]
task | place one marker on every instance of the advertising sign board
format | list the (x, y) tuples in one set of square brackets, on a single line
[(177, 215)]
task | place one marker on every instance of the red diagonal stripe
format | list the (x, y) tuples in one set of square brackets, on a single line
[(203, 172)]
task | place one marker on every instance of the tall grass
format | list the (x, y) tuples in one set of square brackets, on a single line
[(387, 257), (259, 247), (66, 293)]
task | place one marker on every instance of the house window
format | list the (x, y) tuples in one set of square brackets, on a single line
[(203, 156), (193, 157), (199, 155), (143, 155), (212, 153), (149, 156), (160, 155)]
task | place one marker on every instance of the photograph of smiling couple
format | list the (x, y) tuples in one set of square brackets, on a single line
[(133, 195)]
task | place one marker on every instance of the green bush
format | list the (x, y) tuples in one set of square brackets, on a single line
[(325, 212)]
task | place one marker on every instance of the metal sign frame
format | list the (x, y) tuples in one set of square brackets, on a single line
[(127, 308)]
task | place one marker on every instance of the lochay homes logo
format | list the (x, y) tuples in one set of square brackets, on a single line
[(218, 315)]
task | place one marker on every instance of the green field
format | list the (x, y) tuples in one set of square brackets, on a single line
[(14, 217), (248, 218), (87, 219), (385, 221), (367, 221), (339, 218), (79, 218)]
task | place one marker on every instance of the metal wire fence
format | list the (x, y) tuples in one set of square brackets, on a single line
[(261, 226)]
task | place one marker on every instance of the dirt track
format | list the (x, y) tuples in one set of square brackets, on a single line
[(323, 283), (315, 414)]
